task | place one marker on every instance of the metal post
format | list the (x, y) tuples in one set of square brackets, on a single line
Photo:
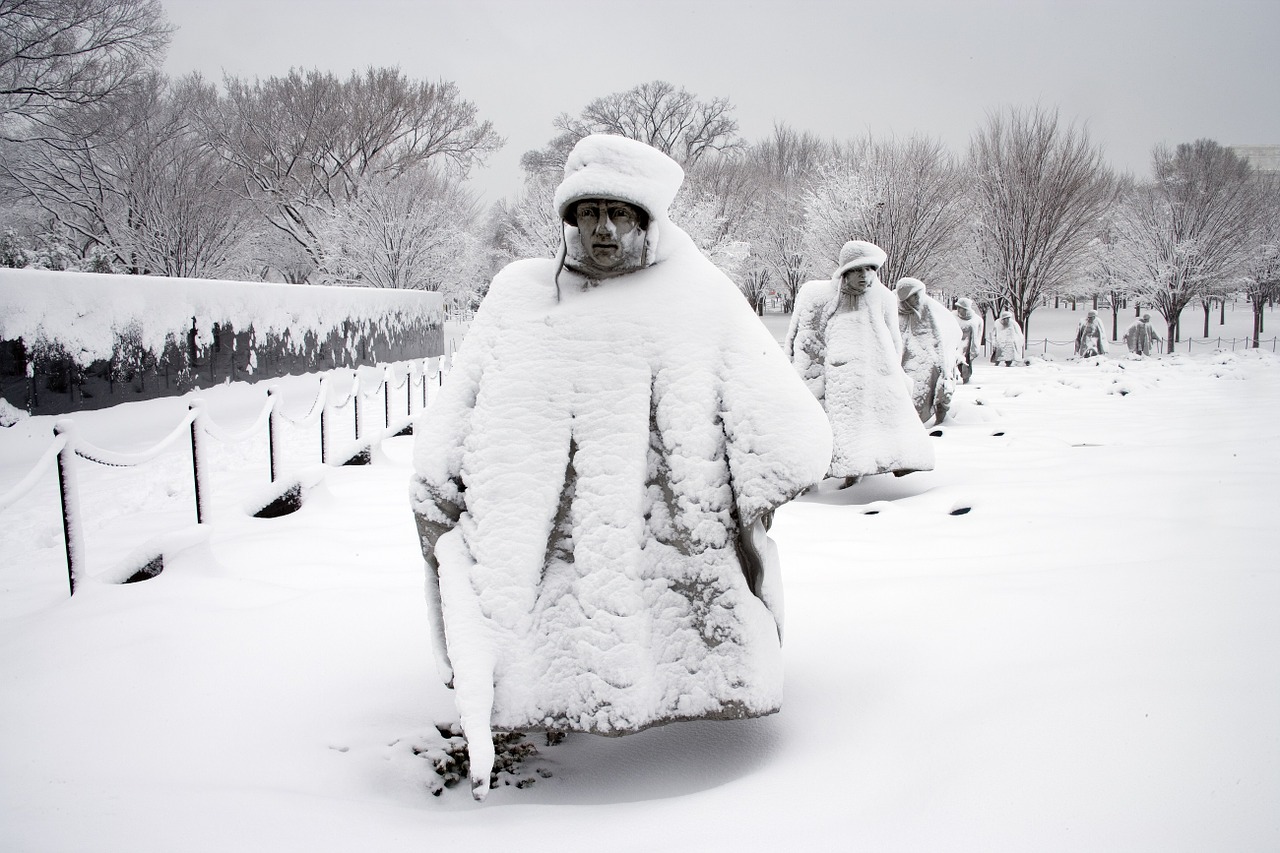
[(355, 399), (386, 402), (273, 401), (196, 462), (71, 536), (323, 455)]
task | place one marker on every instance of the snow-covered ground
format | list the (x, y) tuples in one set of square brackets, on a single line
[(1063, 638)]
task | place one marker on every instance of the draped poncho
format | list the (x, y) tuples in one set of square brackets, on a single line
[(591, 467)]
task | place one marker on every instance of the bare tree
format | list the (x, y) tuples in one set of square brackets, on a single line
[(672, 120), (1040, 190), (780, 169), (60, 53), (305, 143), (1190, 228)]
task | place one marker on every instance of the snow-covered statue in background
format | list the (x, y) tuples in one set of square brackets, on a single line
[(844, 342), (594, 482), (1141, 337), (930, 348), (1006, 339), (970, 336), (1090, 337)]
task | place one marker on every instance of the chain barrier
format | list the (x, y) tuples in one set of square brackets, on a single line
[(67, 445), (1218, 343)]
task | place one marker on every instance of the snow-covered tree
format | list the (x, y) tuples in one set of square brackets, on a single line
[(414, 231), (921, 206), (671, 119), (1190, 228), (128, 176), (56, 54), (1261, 280), (1040, 190), (528, 227), (304, 144), (841, 206), (699, 211)]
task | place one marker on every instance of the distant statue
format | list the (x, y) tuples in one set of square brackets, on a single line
[(1006, 339), (1090, 336), (595, 480), (1141, 337), (930, 348), (970, 319), (844, 342)]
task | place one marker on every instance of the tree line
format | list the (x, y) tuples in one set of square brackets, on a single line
[(107, 164)]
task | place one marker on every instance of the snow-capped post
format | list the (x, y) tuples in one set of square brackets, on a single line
[(273, 400), (323, 397), (32, 399), (355, 402), (68, 490), (386, 398), (197, 461)]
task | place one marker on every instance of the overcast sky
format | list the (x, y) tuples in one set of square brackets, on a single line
[(1138, 72)]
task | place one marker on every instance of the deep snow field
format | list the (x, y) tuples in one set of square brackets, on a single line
[(1066, 637)]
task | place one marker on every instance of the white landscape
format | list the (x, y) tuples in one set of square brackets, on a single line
[(1062, 638)]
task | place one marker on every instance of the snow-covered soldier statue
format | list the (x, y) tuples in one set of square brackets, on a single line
[(1141, 337), (1090, 337), (970, 336), (1006, 339), (930, 348), (594, 482), (844, 342)]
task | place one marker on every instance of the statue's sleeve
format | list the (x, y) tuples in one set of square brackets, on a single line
[(778, 439)]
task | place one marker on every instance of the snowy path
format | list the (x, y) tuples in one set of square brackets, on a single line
[(1088, 658)]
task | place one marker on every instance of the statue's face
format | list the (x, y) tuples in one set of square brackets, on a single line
[(963, 311), (854, 282), (610, 233), (910, 305)]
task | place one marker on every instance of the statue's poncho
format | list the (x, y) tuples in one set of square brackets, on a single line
[(593, 459), (1141, 338), (930, 355), (852, 362)]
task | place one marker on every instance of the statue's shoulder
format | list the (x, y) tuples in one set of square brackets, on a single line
[(522, 283), (814, 293)]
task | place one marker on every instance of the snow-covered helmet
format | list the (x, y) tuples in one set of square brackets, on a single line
[(908, 286), (859, 253), (615, 167)]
